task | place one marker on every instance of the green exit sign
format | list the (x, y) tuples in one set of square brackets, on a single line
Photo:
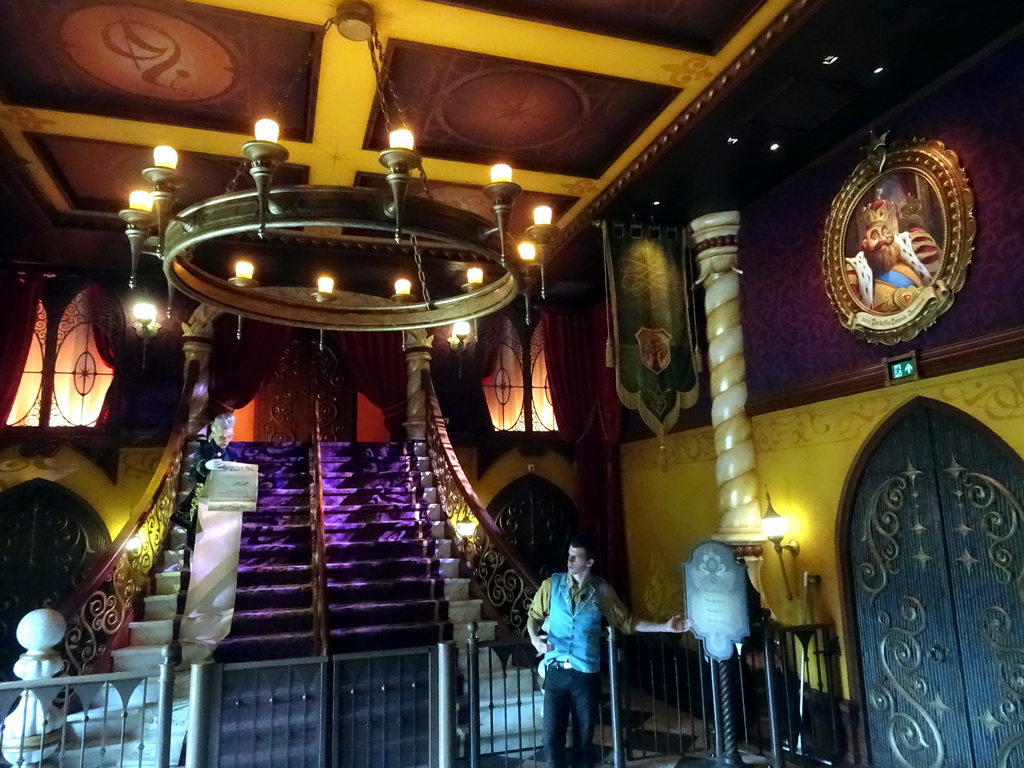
[(902, 368)]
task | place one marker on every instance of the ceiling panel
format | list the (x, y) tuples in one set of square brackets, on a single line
[(187, 65), (695, 25), (98, 176), (486, 109), (470, 198)]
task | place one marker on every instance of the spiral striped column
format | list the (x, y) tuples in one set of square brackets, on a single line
[(417, 343), (197, 344), (714, 241)]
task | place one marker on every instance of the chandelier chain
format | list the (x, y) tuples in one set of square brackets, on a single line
[(419, 271), (384, 81)]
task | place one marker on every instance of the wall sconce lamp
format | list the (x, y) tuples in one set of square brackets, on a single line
[(774, 527), (146, 324), (465, 529), (458, 338)]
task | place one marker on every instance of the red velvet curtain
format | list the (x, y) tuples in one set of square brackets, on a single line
[(376, 362), (19, 299), (588, 411), (238, 368), (100, 333), (96, 299)]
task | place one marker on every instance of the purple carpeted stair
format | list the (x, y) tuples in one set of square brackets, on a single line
[(274, 602), (385, 588)]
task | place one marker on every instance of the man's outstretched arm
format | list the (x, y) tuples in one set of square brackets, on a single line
[(677, 624)]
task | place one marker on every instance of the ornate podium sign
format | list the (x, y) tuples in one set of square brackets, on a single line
[(233, 487), (716, 598)]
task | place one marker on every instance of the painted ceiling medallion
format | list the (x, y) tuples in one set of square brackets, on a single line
[(515, 109), (147, 53)]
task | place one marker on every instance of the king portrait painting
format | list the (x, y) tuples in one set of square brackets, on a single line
[(898, 240)]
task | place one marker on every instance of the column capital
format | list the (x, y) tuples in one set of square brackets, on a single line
[(200, 324), (723, 224), (714, 242), (418, 340)]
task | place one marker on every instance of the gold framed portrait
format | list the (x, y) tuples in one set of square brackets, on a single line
[(898, 239)]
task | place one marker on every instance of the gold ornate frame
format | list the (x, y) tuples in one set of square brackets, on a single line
[(941, 216)]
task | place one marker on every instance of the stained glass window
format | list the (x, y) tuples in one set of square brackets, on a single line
[(518, 399), (28, 401), (68, 371)]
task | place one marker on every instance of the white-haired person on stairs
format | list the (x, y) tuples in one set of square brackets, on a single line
[(210, 456)]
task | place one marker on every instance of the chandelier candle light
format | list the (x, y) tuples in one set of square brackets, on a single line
[(502, 192), (360, 235)]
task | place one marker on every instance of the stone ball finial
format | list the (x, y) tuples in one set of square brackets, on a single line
[(41, 629)]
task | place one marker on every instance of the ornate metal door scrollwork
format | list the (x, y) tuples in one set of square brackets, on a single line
[(981, 490), (939, 571), (909, 652), (48, 541)]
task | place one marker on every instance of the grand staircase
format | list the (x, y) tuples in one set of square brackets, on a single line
[(392, 581), (274, 599)]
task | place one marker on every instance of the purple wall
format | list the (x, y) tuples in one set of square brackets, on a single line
[(791, 334)]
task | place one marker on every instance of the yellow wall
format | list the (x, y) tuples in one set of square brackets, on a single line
[(77, 473), (803, 457), (512, 465)]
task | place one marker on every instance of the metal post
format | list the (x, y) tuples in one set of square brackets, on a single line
[(446, 705), (200, 688), (777, 758), (473, 681), (729, 755), (716, 707), (165, 705), (615, 683)]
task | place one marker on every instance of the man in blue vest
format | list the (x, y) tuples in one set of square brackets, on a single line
[(573, 605)]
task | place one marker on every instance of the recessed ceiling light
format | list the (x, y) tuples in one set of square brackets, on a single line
[(731, 140), (879, 70), (656, 202), (829, 60), (774, 146)]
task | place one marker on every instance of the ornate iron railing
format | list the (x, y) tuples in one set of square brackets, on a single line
[(508, 582), (100, 609)]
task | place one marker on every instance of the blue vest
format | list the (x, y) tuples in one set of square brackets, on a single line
[(575, 632)]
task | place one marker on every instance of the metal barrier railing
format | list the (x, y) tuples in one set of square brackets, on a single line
[(501, 717), (659, 698), (478, 706), (91, 721), (384, 713)]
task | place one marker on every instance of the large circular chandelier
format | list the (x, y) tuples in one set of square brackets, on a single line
[(338, 258)]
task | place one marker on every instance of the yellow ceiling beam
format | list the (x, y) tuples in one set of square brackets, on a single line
[(491, 34)]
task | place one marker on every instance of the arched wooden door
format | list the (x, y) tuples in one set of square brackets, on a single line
[(936, 565), (49, 539), (537, 518)]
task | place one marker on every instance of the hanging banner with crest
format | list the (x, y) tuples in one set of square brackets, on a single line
[(652, 343)]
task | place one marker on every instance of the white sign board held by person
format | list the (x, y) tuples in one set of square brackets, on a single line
[(233, 487)]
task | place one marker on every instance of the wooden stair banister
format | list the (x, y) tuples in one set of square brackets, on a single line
[(507, 580), (99, 610)]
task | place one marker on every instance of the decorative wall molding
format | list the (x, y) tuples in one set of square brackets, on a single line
[(661, 595), (1001, 400), (995, 395), (680, 448), (991, 395)]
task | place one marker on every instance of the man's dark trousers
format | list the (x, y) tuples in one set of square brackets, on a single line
[(568, 691)]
